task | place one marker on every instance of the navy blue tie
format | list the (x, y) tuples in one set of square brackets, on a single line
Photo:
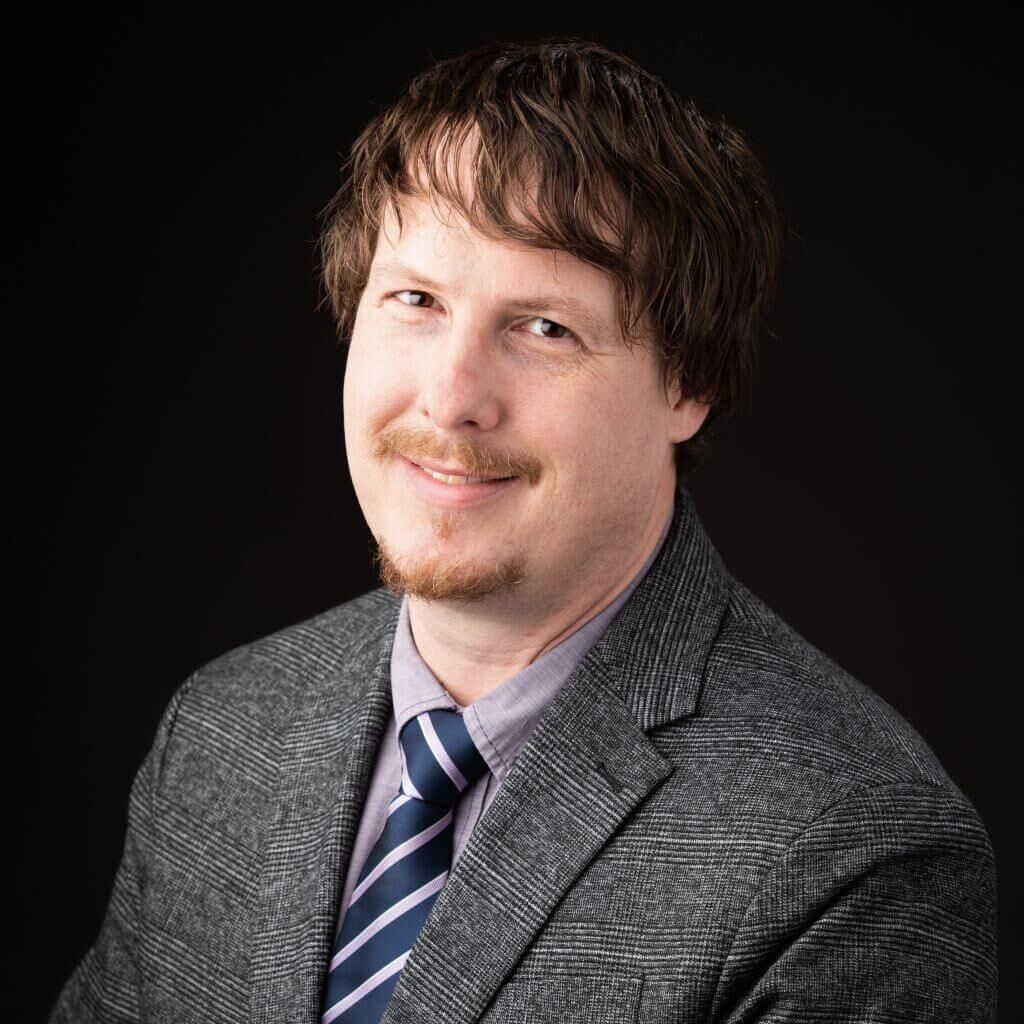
[(404, 872)]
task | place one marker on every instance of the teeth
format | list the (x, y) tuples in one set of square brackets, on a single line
[(455, 479)]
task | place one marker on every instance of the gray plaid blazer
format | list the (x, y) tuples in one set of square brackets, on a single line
[(712, 821)]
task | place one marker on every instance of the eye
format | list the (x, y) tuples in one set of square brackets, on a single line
[(567, 336), (408, 292)]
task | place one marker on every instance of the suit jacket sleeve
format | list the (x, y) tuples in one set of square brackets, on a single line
[(883, 909), (105, 985)]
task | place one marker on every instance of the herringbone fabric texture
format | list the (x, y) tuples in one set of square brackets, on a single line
[(406, 869)]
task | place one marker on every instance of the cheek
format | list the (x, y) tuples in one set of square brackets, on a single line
[(576, 437), (375, 386), (615, 446)]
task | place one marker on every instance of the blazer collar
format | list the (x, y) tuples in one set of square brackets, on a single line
[(587, 764), (654, 654)]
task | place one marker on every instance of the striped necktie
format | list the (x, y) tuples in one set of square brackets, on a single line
[(406, 869)]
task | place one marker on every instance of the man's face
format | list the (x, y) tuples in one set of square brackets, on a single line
[(461, 358)]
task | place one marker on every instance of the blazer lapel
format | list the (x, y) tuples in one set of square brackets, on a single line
[(327, 756), (585, 767)]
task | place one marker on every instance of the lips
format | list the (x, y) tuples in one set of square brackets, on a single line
[(456, 479), (459, 494), (457, 471)]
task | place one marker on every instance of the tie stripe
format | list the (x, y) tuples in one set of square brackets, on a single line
[(389, 857), (404, 872), (441, 755), (389, 915), (367, 989)]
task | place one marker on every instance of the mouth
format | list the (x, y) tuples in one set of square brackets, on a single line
[(458, 490), (455, 475)]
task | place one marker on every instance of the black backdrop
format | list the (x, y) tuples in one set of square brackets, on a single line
[(180, 479)]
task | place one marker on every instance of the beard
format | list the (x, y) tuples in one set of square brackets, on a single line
[(442, 577)]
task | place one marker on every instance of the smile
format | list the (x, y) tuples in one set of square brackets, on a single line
[(454, 490), (449, 479)]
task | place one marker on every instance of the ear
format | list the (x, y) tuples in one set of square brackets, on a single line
[(685, 414)]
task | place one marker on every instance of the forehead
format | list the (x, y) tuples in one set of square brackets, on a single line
[(435, 239)]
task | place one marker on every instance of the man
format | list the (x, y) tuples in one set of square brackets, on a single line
[(561, 765)]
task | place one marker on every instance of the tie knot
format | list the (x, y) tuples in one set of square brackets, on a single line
[(441, 759)]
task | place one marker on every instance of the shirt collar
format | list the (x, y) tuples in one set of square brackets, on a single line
[(501, 721)]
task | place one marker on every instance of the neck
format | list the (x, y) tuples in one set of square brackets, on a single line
[(473, 648)]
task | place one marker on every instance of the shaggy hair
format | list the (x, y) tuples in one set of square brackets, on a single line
[(576, 147)]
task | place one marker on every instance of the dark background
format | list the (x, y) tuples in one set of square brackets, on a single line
[(180, 478)]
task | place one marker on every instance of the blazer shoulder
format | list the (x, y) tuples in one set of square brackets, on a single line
[(264, 674), (227, 720), (809, 708)]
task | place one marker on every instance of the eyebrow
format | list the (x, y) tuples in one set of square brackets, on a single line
[(560, 304)]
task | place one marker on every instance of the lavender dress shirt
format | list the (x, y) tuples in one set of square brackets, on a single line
[(500, 722)]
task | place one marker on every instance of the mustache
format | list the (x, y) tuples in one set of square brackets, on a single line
[(476, 460)]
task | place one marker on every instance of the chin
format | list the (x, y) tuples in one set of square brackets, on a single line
[(439, 576)]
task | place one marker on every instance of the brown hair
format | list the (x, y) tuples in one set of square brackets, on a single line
[(596, 157)]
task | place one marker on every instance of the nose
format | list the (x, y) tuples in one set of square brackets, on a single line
[(459, 382)]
